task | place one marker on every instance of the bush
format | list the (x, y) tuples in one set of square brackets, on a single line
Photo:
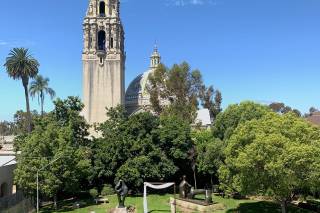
[(107, 190), (94, 193)]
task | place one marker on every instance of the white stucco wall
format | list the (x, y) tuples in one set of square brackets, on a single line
[(6, 178)]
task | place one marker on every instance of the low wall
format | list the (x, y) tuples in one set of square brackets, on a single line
[(190, 207), (16, 203)]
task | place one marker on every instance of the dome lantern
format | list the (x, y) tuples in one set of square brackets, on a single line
[(155, 58)]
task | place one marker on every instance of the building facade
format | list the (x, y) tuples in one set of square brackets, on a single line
[(7, 166), (103, 59)]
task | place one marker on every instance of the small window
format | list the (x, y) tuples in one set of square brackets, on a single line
[(101, 40), (101, 60), (111, 43), (102, 9)]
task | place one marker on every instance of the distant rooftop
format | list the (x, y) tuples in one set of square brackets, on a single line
[(7, 139), (314, 118), (7, 160), (6, 143), (203, 117)]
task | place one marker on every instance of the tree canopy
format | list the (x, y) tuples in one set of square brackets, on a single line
[(283, 109), (228, 120), (142, 147), (59, 135), (277, 155), (179, 91), (40, 87)]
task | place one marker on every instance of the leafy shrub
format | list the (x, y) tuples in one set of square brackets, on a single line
[(107, 190), (94, 193)]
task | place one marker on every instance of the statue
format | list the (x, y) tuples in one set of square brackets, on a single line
[(184, 188), (188, 192), (90, 10), (122, 191), (206, 192)]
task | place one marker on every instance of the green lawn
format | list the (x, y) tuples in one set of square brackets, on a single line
[(160, 204), (156, 203)]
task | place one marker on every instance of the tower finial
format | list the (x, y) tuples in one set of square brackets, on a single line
[(155, 49), (155, 57)]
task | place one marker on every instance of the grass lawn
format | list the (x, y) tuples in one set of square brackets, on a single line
[(156, 203), (160, 204)]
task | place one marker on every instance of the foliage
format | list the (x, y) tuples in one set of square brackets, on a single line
[(313, 110), (154, 166), (277, 154), (142, 147), (20, 121), (209, 152), (211, 99), (94, 193), (107, 190), (58, 137), (236, 114), (283, 109), (40, 87), (177, 91), (22, 66), (6, 128), (174, 137)]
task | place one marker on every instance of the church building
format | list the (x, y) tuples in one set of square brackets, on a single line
[(104, 66)]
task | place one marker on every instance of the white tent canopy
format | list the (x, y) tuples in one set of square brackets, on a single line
[(153, 186)]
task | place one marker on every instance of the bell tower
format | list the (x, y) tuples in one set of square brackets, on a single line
[(103, 59)]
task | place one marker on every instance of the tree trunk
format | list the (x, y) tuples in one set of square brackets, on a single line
[(26, 93), (195, 178), (55, 203), (284, 206), (42, 102)]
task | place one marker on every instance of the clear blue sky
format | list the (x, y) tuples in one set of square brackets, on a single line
[(261, 50)]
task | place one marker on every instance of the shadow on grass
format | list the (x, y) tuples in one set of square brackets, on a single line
[(68, 206), (264, 207)]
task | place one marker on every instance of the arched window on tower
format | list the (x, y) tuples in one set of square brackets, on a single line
[(101, 40), (111, 42), (102, 9)]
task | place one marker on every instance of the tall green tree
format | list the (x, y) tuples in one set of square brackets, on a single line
[(283, 109), (21, 65), (20, 121), (277, 155), (142, 147), (211, 99), (179, 87), (40, 87), (61, 134), (209, 153)]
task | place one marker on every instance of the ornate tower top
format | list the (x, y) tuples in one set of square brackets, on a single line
[(155, 58), (104, 8), (103, 30)]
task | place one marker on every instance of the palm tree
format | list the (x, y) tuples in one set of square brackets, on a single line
[(21, 65), (40, 87)]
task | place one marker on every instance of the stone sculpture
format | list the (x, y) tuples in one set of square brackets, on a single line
[(184, 188), (187, 192), (122, 191)]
